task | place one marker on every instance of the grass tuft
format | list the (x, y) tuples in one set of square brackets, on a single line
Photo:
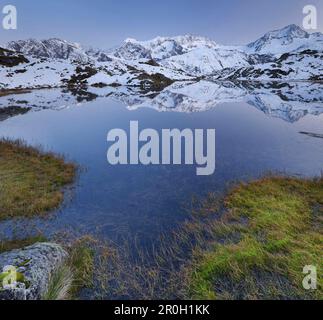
[(76, 273), (60, 284), (31, 180), (81, 262)]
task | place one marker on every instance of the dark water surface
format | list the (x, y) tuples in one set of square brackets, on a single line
[(143, 202)]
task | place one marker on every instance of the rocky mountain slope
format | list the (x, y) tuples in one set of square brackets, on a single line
[(303, 65), (284, 40), (287, 54), (50, 48)]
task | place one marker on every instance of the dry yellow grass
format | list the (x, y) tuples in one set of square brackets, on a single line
[(31, 180)]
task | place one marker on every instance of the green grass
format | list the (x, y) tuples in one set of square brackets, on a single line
[(279, 223), (76, 274), (60, 284), (31, 180), (81, 261)]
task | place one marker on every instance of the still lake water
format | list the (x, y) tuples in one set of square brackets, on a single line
[(142, 202)]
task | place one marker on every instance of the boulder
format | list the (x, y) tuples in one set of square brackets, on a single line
[(35, 265)]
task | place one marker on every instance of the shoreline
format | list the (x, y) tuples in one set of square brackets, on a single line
[(258, 241), (12, 91)]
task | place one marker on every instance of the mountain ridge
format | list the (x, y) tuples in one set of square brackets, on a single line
[(285, 54)]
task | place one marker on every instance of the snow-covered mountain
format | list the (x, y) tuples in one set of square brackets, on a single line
[(132, 50), (162, 48), (275, 41), (196, 56), (285, 55), (49, 48), (284, 40), (207, 61), (304, 65)]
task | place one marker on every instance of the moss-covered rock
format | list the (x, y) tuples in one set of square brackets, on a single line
[(34, 266)]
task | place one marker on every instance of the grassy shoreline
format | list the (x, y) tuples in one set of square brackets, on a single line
[(272, 229), (31, 181), (31, 185)]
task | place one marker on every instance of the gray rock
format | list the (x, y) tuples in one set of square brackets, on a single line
[(37, 263)]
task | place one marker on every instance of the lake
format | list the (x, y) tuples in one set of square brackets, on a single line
[(258, 130)]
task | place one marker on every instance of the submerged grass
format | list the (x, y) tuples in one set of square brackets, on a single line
[(31, 180), (253, 244), (278, 221)]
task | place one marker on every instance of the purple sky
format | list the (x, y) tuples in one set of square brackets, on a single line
[(106, 23)]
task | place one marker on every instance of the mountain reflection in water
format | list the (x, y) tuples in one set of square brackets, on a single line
[(287, 101)]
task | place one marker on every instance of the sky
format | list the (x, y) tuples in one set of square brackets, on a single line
[(106, 23)]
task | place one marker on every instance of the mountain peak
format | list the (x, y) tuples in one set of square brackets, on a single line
[(163, 47), (54, 48), (131, 40), (287, 38), (291, 30)]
